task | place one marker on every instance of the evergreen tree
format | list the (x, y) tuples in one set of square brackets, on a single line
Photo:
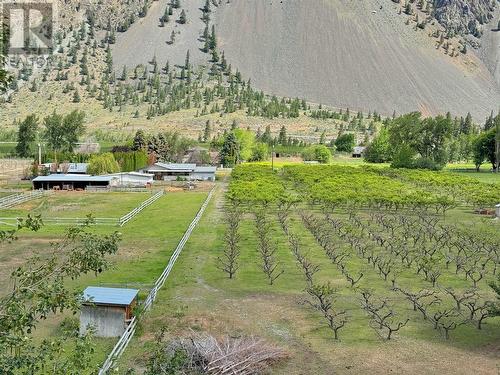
[(183, 17), (207, 132), (140, 141), (187, 64), (282, 138), (489, 122), (124, 73), (76, 96), (230, 151), (467, 125), (322, 138)]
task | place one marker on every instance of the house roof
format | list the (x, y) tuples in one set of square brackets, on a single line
[(78, 167), (72, 167), (176, 166), (135, 174), (173, 167), (205, 169), (72, 178), (180, 167), (109, 296)]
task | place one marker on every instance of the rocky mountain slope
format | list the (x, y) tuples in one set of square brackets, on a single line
[(464, 16), (345, 53), (364, 55)]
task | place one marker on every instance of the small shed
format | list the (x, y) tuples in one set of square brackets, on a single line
[(497, 211), (358, 151), (107, 310)]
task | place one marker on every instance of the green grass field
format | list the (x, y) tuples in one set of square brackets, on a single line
[(146, 245), (79, 205)]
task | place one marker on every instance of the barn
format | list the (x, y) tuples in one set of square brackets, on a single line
[(107, 310), (72, 182)]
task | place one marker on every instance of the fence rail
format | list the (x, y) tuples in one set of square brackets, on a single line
[(126, 218), (124, 340), (16, 199)]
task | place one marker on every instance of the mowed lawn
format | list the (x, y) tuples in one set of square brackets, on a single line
[(198, 297), (147, 243)]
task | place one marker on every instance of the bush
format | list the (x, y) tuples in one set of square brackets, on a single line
[(426, 163), (319, 153), (260, 152), (404, 158), (345, 143)]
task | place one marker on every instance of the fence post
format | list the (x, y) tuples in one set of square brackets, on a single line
[(124, 340)]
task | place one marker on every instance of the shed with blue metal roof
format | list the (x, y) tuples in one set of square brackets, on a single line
[(107, 310)]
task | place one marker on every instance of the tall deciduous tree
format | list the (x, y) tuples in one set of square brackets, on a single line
[(345, 142), (62, 132), (26, 136)]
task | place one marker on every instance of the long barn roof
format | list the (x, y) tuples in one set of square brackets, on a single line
[(72, 178)]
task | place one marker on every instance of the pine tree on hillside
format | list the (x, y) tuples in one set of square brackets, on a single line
[(183, 18)]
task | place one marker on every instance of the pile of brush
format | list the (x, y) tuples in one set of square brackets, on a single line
[(239, 356)]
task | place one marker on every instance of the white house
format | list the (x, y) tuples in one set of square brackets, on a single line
[(174, 171)]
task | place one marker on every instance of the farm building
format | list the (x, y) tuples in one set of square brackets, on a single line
[(171, 172), (358, 152), (107, 310), (132, 179), (72, 182), (87, 148), (66, 168), (497, 211)]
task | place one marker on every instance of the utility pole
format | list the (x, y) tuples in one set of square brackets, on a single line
[(272, 157), (39, 154), (497, 146)]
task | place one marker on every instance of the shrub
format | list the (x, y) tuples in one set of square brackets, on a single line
[(319, 153), (345, 143)]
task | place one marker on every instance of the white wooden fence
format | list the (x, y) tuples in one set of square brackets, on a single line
[(126, 218), (16, 199), (120, 222), (124, 340)]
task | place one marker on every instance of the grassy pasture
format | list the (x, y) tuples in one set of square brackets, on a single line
[(146, 245), (78, 205), (200, 297)]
